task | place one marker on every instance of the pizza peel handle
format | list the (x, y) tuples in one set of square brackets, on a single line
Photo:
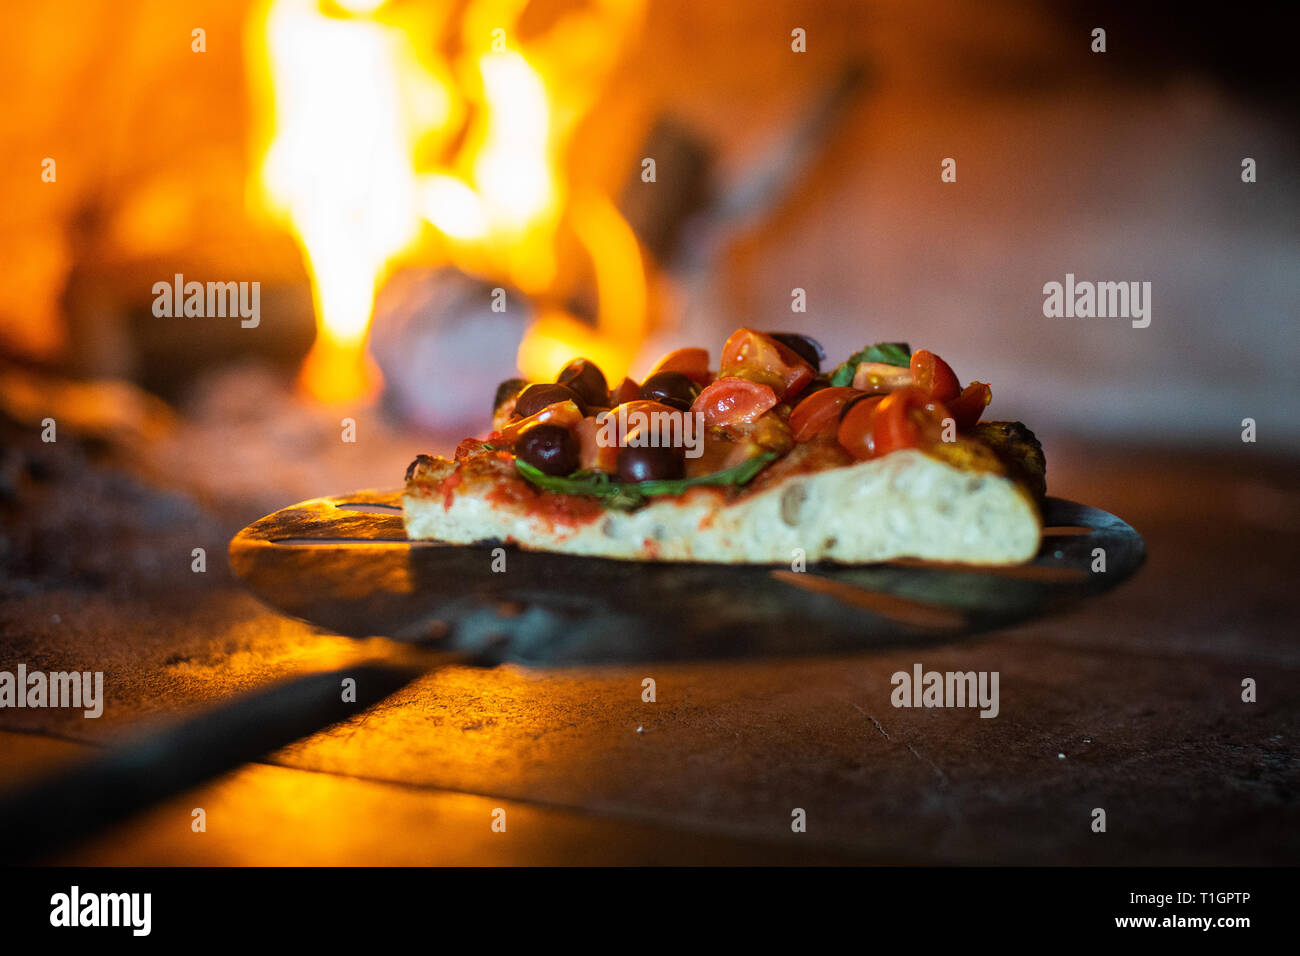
[(71, 804), (345, 564)]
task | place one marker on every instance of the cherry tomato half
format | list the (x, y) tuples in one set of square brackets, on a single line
[(693, 363), (761, 358), (593, 453), (855, 429), (617, 422), (881, 378), (908, 418), (564, 413), (967, 407), (934, 376), (819, 411), (729, 401)]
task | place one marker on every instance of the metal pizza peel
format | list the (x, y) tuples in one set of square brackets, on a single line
[(345, 564)]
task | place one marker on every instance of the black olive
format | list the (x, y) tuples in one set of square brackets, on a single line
[(650, 464), (671, 388), (587, 380), (548, 448), (536, 397), (809, 349), (508, 390)]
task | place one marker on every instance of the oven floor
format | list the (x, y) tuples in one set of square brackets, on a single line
[(1131, 704)]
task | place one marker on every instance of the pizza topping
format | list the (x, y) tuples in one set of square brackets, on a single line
[(470, 447), (854, 400), (767, 400), (650, 464), (879, 424), (881, 377), (768, 433), (508, 391), (908, 418), (732, 400), (564, 413), (627, 391), (819, 411), (855, 429), (967, 407), (720, 452), (593, 453), (865, 428), (693, 363), (807, 347), (548, 448), (672, 388), (617, 426), (536, 397), (504, 407), (886, 353), (760, 358), (934, 376), (587, 381), (614, 493)]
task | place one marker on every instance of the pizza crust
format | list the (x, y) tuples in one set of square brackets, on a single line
[(904, 505)]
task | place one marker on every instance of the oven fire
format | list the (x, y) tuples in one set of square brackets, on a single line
[(396, 134)]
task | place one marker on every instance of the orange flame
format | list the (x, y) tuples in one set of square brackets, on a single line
[(354, 113)]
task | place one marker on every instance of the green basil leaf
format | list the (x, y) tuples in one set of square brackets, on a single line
[(630, 495), (736, 475), (890, 353)]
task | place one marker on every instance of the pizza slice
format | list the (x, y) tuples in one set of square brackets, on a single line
[(764, 461)]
